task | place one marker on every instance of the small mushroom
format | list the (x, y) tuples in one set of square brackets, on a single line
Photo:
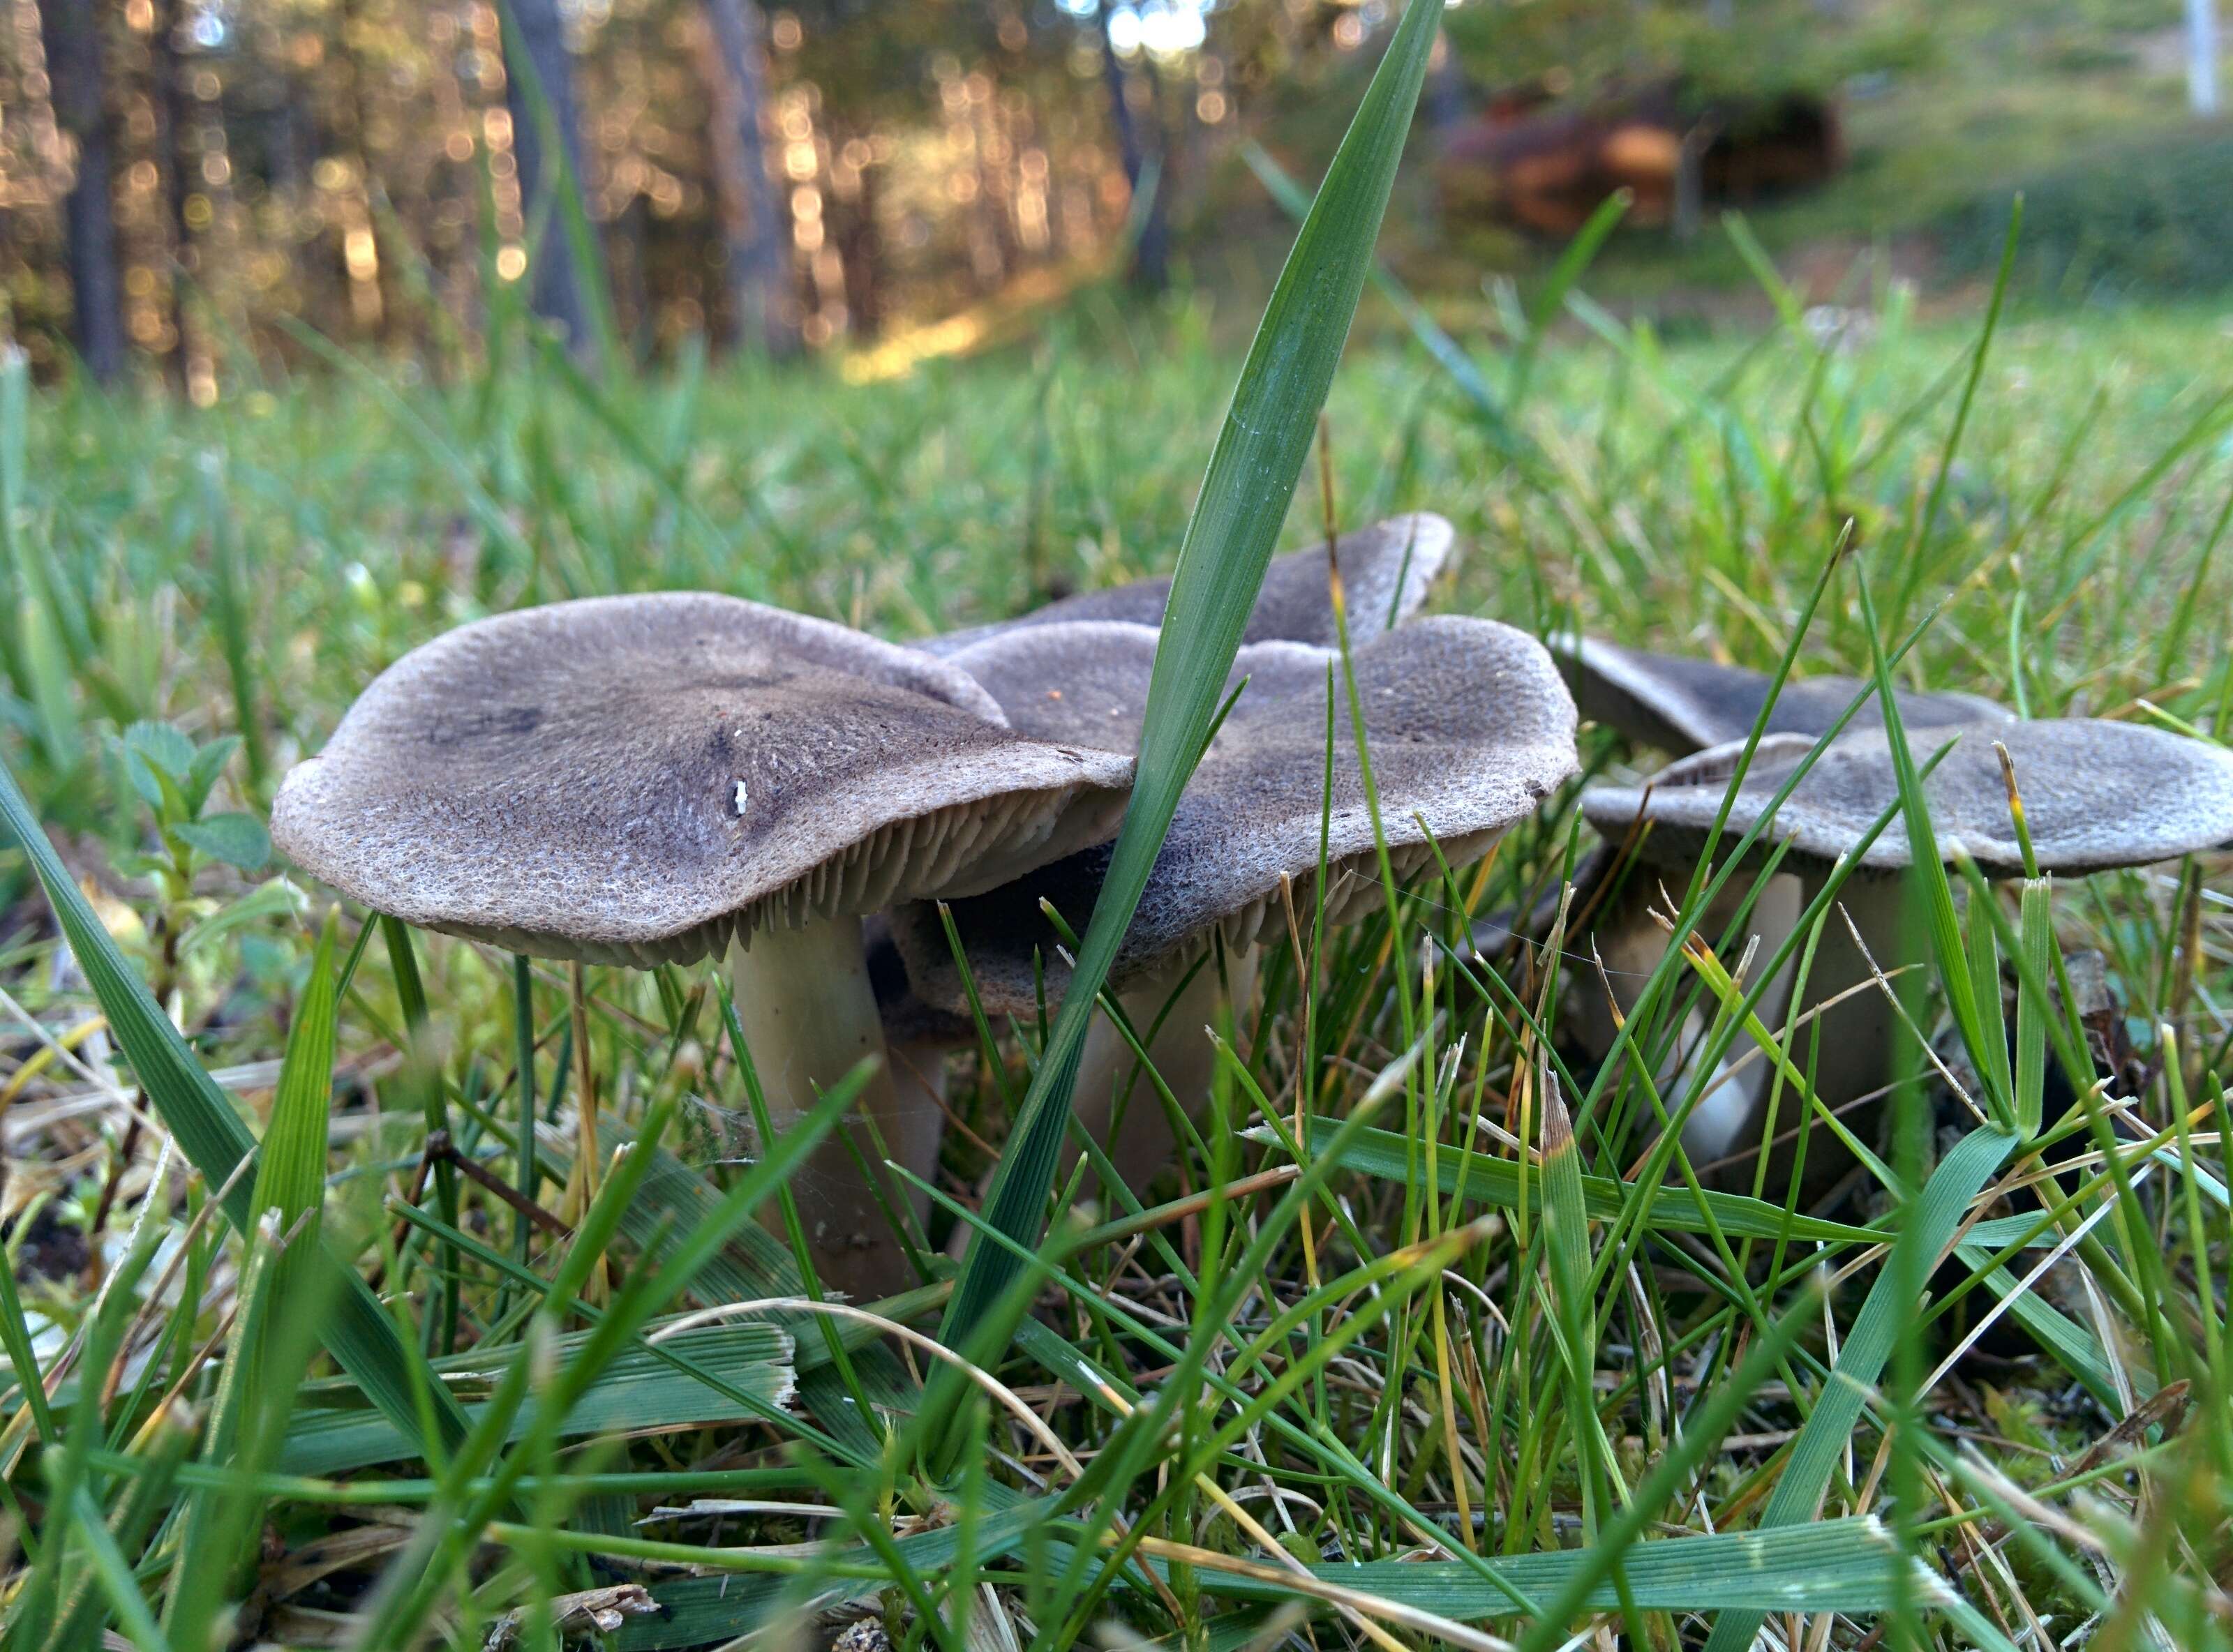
[(1680, 705), (648, 779), (2096, 794), (1468, 729), (1386, 571)]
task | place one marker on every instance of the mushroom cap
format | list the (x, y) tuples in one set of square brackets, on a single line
[(1469, 728), (635, 779), (1086, 680), (1385, 570), (1681, 705), (2096, 794)]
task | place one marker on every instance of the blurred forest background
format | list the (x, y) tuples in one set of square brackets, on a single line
[(187, 187)]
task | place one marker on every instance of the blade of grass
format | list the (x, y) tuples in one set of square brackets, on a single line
[(1251, 478), (1448, 353), (1571, 264)]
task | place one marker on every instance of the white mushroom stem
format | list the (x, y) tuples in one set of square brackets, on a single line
[(808, 1016), (1631, 948), (918, 1071), (1180, 1052), (1859, 1029)]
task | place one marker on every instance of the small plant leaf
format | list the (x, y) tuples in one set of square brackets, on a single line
[(238, 840), (170, 752)]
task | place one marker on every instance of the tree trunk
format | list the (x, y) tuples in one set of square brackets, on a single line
[(174, 121), (75, 70), (1151, 253), (860, 244), (753, 219), (539, 92)]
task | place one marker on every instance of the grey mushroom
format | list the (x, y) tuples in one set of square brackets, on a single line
[(1386, 571), (1681, 706), (2096, 794), (645, 779), (1469, 728)]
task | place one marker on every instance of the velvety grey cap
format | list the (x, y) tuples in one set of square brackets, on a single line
[(1681, 706), (635, 779), (1386, 571), (1086, 680), (2096, 794), (1469, 728)]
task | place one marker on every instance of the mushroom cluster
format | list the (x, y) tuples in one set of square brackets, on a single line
[(653, 779), (2096, 794), (663, 778)]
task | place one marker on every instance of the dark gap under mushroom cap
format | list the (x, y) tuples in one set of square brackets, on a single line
[(2096, 794), (635, 779), (907, 1018), (1385, 570), (1681, 706), (1469, 728)]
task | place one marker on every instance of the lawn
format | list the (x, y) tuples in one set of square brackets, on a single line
[(1491, 1389)]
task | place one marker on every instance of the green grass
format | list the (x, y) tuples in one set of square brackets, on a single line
[(1613, 1364)]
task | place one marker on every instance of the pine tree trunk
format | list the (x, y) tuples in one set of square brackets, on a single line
[(1151, 255), (535, 47), (759, 271), (75, 70), (175, 120)]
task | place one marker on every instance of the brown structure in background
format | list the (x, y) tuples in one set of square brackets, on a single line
[(1547, 167)]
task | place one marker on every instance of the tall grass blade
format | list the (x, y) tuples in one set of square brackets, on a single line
[(1571, 266), (1448, 353), (1252, 476), (233, 638)]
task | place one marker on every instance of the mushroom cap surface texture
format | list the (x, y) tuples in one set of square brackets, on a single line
[(1385, 570), (1086, 680), (635, 779), (2096, 794), (1469, 728), (1681, 706)]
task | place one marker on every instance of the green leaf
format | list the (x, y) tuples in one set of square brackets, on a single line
[(213, 1523), (156, 788), (1448, 353), (698, 1611), (1236, 520), (275, 898), (170, 752), (358, 1331), (201, 775), (638, 1390), (1675, 1208), (290, 1171), (1552, 299), (2037, 935), (238, 840), (1845, 1566), (41, 655)]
